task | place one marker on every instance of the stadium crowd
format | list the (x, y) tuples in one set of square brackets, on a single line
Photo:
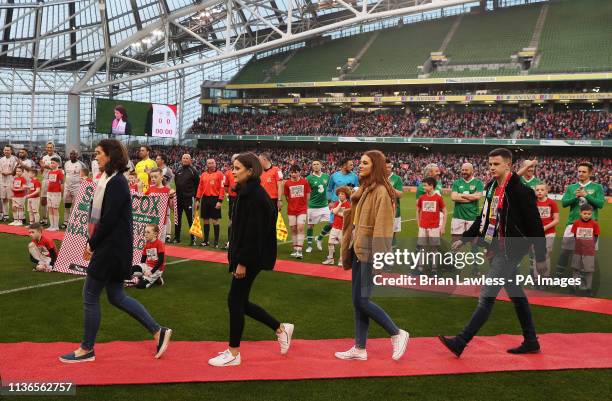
[(431, 123), (557, 171)]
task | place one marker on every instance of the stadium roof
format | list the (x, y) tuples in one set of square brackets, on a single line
[(114, 41)]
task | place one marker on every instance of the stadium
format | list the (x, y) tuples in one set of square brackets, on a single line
[(457, 144)]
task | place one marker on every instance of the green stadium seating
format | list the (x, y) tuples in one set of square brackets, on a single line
[(255, 70), (398, 52), (576, 37), (319, 63), (493, 37)]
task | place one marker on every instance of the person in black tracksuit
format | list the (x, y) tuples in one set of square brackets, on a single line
[(252, 249), (186, 180), (508, 227)]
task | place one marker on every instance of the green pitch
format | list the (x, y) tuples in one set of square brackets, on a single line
[(193, 303)]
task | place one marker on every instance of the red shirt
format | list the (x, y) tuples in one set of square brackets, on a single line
[(33, 186), (585, 233), (230, 183), (134, 187), (20, 186), (547, 210), (338, 219), (152, 250), (158, 190), (211, 184), (430, 206), (54, 181), (270, 179), (45, 245), (297, 194)]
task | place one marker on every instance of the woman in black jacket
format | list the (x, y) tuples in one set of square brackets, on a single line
[(252, 249), (109, 251)]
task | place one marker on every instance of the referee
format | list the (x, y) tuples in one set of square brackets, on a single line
[(508, 225), (211, 193), (186, 181)]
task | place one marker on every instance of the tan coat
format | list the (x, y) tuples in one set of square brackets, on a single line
[(373, 228)]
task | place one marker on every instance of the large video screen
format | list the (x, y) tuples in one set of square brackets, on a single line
[(122, 117)]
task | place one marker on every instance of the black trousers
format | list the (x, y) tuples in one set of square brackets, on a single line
[(506, 268), (183, 204), (239, 305)]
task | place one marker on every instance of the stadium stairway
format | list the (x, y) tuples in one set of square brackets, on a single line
[(540, 298), (123, 362)]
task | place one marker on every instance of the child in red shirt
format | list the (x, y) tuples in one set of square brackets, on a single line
[(156, 177), (586, 232), (549, 214), (134, 182), (42, 249), (33, 197), (20, 187), (55, 180), (335, 235), (297, 192), (153, 260), (429, 207)]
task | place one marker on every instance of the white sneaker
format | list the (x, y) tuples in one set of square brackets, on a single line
[(309, 249), (284, 338), (18, 223), (354, 354), (340, 263), (14, 223), (225, 358), (299, 255), (328, 261), (400, 344), (319, 245), (293, 254)]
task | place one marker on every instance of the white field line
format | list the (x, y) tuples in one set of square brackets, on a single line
[(31, 287)]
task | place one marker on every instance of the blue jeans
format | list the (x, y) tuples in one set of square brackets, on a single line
[(364, 308), (506, 268), (116, 296)]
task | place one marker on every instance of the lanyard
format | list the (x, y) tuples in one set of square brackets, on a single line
[(500, 201)]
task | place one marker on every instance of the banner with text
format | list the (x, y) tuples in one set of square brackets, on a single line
[(146, 209)]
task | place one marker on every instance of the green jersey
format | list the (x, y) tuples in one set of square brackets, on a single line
[(595, 196), (532, 182), (467, 211), (398, 184), (318, 186), (420, 191)]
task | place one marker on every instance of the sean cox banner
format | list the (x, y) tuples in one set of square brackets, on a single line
[(146, 209)]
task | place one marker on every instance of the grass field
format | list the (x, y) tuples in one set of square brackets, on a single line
[(193, 303)]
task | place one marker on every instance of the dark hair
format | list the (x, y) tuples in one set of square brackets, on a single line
[(431, 181), (586, 206), (36, 226), (9, 146), (250, 161), (295, 168), (148, 148), (163, 157), (117, 153), (587, 165), (156, 170), (388, 161), (267, 156), (123, 112), (503, 152), (343, 162), (155, 228), (20, 168), (56, 159)]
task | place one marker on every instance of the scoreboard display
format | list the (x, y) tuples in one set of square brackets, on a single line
[(123, 117)]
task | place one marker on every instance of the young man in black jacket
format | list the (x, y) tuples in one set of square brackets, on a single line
[(508, 226), (186, 180)]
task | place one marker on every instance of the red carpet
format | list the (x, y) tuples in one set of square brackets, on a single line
[(123, 362), (584, 304)]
